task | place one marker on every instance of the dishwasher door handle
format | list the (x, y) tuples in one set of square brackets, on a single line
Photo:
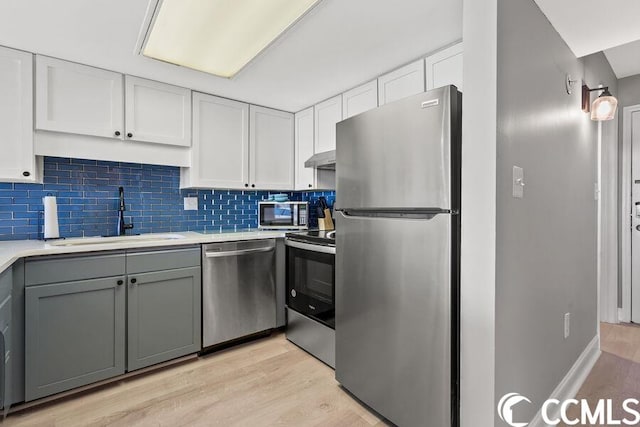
[(238, 252)]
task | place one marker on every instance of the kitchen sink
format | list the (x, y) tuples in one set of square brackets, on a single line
[(83, 241)]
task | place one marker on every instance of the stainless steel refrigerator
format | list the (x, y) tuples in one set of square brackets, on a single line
[(397, 258)]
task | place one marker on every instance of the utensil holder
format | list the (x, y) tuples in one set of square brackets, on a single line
[(326, 223)]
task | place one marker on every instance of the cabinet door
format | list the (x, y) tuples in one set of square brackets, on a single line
[(326, 115), (6, 364), (75, 98), (445, 68), (220, 152), (164, 316), (403, 82), (360, 99), (157, 112), (270, 149), (305, 177), (5, 352), (74, 334), (17, 162)]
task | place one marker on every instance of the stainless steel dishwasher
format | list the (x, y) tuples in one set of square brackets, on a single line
[(238, 290)]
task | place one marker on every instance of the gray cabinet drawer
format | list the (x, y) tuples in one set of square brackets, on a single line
[(6, 333), (6, 283), (5, 325), (6, 370), (5, 312), (68, 269), (170, 259)]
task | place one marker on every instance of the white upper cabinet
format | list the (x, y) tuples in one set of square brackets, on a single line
[(445, 68), (157, 112), (305, 177), (17, 162), (220, 151), (271, 149), (75, 98), (326, 115), (400, 83), (360, 99)]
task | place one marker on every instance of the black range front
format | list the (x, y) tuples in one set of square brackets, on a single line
[(311, 276)]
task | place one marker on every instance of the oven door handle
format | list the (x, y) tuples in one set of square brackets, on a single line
[(208, 254), (310, 247)]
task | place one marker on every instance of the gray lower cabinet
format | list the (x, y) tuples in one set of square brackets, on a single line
[(6, 361), (163, 316), (75, 334), (93, 317)]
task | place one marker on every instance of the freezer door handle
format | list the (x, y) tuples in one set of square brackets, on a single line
[(237, 253), (404, 213)]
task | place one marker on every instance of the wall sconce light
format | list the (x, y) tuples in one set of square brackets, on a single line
[(603, 108)]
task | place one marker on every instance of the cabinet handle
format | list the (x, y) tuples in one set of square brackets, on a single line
[(26, 173), (253, 185), (310, 185), (129, 135), (246, 185), (117, 133), (133, 281), (120, 282)]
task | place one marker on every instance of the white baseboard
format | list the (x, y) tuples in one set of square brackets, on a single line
[(571, 383), (620, 315)]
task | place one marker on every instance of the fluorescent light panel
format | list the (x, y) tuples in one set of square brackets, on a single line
[(219, 36)]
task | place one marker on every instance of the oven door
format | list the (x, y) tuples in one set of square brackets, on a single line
[(311, 280)]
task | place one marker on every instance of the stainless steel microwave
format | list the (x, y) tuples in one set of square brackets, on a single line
[(283, 215)]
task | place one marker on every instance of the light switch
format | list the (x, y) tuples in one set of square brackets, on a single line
[(518, 182), (190, 203)]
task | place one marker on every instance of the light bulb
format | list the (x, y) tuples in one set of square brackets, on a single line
[(604, 107)]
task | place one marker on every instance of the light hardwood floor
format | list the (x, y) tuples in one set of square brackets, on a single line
[(621, 340), (269, 382), (616, 374)]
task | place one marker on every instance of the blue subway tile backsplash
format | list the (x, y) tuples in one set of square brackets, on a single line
[(87, 196)]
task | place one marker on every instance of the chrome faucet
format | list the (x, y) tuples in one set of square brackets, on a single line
[(122, 226)]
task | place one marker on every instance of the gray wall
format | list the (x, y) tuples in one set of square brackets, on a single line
[(546, 242), (478, 255), (629, 88)]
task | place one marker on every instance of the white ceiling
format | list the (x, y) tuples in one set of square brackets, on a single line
[(625, 59), (590, 26), (337, 46)]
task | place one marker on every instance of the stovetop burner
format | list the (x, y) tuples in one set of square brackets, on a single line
[(322, 237)]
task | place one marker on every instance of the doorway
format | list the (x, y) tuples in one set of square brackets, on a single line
[(630, 212)]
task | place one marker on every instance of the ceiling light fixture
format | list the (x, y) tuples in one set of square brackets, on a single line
[(219, 36), (604, 106)]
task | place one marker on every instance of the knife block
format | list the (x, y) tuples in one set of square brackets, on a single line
[(326, 223)]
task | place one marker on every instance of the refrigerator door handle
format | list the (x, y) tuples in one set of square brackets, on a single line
[(402, 213)]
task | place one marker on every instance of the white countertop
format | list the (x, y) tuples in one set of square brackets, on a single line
[(11, 251)]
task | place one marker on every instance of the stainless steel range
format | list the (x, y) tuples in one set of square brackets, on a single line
[(311, 291)]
